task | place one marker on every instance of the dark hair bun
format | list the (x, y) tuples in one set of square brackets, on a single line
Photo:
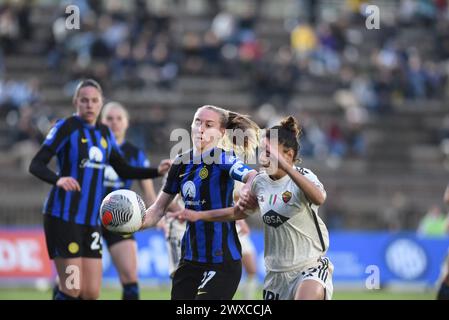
[(290, 124)]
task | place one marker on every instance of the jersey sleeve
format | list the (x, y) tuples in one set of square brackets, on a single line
[(172, 184), (57, 137), (312, 178), (255, 184), (114, 145), (142, 160), (237, 168)]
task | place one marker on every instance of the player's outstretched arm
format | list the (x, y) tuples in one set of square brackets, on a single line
[(217, 215), (125, 171), (156, 211)]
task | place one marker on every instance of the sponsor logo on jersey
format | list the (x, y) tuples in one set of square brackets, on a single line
[(95, 154), (286, 196), (189, 190), (195, 202), (273, 219), (95, 159)]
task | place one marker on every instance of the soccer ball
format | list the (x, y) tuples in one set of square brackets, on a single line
[(122, 211)]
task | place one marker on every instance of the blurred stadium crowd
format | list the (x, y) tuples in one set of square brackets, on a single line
[(313, 59)]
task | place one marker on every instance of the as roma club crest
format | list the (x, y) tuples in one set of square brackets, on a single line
[(286, 196)]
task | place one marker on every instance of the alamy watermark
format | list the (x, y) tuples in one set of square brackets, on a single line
[(372, 13), (73, 20), (372, 282)]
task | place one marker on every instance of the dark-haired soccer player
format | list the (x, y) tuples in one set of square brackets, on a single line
[(83, 148)]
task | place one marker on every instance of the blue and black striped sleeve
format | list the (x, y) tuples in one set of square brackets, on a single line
[(142, 160), (173, 185), (56, 138)]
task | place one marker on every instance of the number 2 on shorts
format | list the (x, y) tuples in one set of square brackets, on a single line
[(95, 245)]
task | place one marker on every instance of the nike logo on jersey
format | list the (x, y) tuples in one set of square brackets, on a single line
[(84, 140), (201, 292), (184, 174)]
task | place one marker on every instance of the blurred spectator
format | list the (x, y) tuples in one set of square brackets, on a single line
[(303, 40), (9, 29), (27, 124), (434, 223), (395, 214)]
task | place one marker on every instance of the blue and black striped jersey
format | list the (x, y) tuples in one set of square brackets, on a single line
[(206, 182), (82, 152), (135, 157)]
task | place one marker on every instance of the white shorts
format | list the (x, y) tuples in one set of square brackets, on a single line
[(283, 285), (176, 231), (247, 244)]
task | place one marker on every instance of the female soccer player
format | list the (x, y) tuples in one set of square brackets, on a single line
[(210, 266), (123, 249), (83, 148), (443, 291), (296, 239)]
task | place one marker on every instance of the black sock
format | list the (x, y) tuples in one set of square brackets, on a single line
[(443, 293), (62, 296), (130, 291), (54, 292)]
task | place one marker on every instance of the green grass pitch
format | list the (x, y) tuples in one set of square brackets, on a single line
[(163, 293)]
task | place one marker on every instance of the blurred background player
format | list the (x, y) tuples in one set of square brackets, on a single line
[(123, 248), (249, 263), (210, 266), (443, 292), (174, 230), (296, 239), (83, 148)]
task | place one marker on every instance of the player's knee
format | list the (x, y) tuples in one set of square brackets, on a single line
[(128, 276), (90, 294), (310, 292)]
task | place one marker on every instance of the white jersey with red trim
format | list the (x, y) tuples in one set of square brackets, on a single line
[(295, 236)]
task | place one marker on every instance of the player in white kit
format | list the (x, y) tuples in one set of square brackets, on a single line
[(296, 239)]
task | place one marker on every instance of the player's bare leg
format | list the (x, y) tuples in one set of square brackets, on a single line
[(310, 290), (92, 272), (249, 289), (70, 277), (124, 256), (443, 292)]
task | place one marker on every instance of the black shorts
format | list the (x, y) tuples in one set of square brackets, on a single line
[(70, 240), (112, 238), (198, 281)]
